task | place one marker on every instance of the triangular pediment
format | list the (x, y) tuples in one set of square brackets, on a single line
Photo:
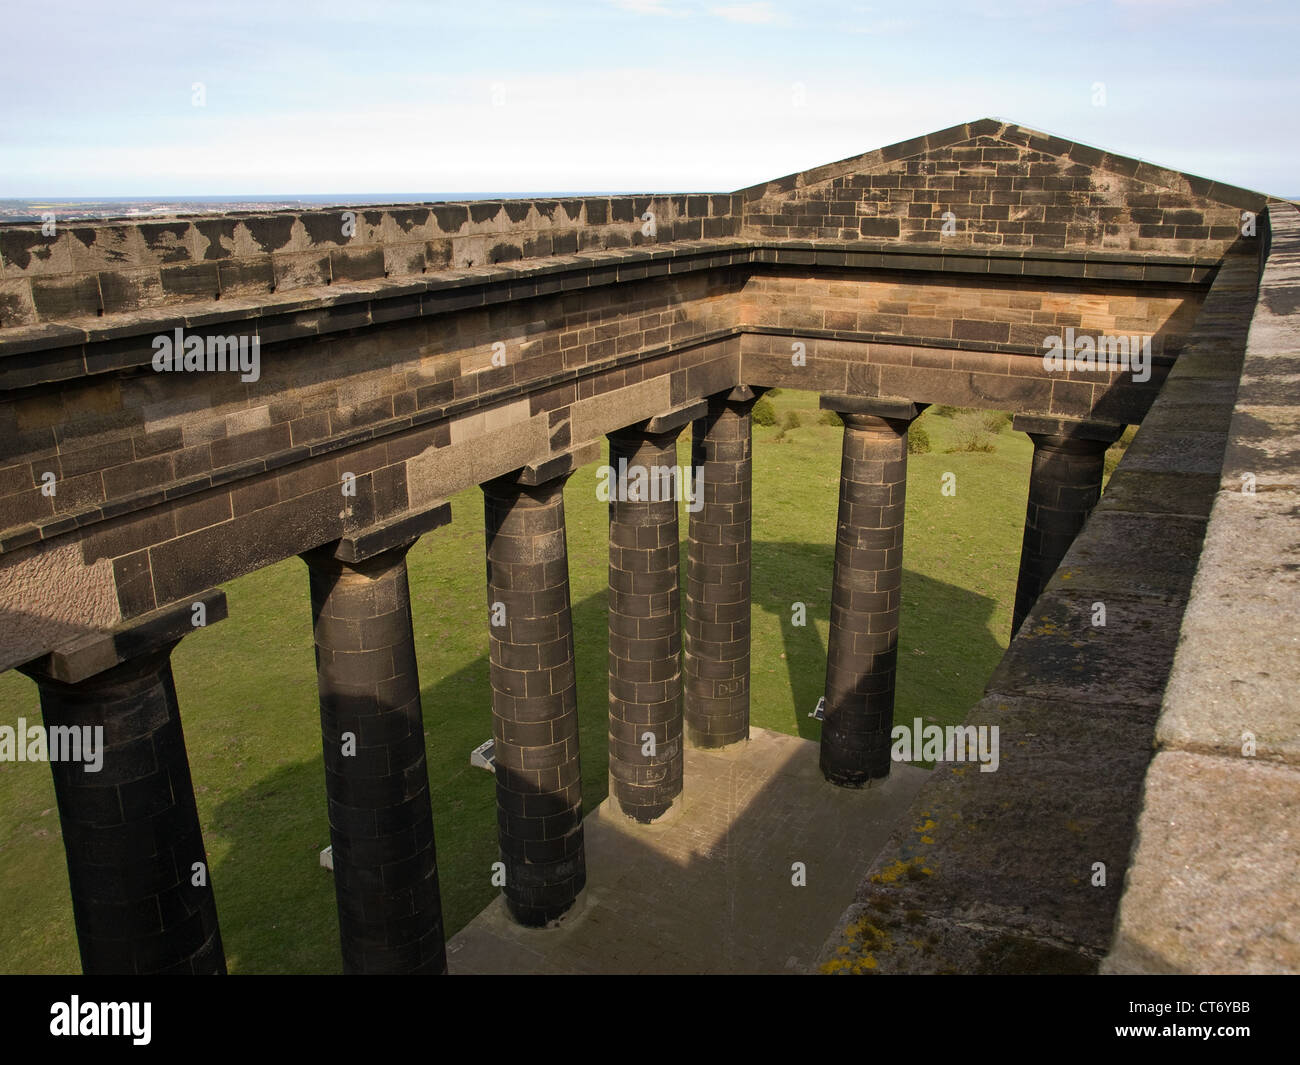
[(995, 183)]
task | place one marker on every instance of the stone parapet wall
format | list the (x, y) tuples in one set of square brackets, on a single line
[(1211, 888), (90, 269)]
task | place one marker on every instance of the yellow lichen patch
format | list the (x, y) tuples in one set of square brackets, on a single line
[(927, 839), (925, 826), (890, 873)]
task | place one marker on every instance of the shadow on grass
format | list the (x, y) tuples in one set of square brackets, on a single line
[(277, 903), (933, 612)]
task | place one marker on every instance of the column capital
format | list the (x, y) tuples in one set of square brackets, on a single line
[(741, 394), (1067, 430), (141, 637), (366, 544), (890, 408), (669, 424), (550, 472)]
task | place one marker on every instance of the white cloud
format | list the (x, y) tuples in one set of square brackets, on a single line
[(756, 14), (885, 25), (650, 7)]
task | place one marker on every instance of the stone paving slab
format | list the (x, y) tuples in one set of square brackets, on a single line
[(1212, 887), (1230, 681), (709, 888)]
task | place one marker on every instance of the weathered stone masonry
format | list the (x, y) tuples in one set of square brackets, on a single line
[(416, 351)]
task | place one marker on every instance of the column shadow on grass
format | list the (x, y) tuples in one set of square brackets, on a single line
[(284, 902), (777, 584)]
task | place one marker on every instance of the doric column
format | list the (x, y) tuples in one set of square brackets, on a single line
[(717, 573), (141, 887), (372, 733), (645, 678), (534, 694), (1064, 486), (862, 649)]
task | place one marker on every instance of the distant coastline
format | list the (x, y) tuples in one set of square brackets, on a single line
[(72, 208)]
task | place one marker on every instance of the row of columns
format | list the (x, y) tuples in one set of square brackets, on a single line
[(142, 898)]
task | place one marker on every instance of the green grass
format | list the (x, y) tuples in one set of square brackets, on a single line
[(247, 686)]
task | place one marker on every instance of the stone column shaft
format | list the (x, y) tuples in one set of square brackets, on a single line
[(1064, 486), (716, 662), (376, 777), (141, 886), (534, 698), (645, 681), (862, 649)]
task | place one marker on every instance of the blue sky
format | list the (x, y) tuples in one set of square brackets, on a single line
[(370, 96)]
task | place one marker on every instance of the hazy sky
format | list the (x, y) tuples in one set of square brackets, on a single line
[(365, 96)]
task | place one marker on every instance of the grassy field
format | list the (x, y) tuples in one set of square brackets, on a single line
[(247, 686)]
